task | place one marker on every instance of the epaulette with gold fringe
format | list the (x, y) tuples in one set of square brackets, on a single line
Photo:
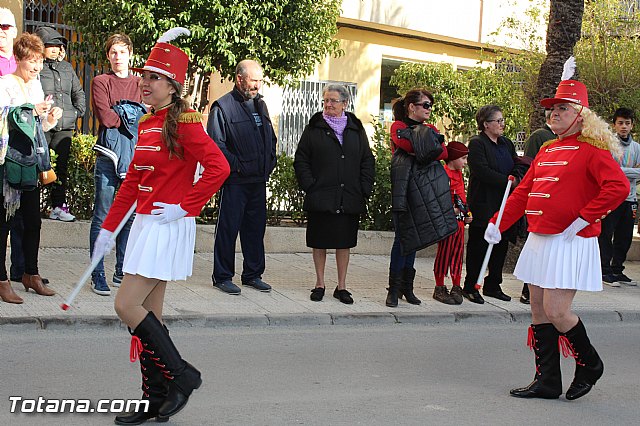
[(549, 142), (145, 117), (594, 142), (190, 117)]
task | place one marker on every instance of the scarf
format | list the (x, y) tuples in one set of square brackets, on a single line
[(337, 124)]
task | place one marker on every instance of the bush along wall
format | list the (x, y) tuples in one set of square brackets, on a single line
[(284, 198)]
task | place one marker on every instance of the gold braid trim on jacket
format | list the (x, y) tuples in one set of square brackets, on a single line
[(590, 141), (185, 117)]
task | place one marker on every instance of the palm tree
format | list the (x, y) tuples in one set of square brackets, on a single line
[(563, 32)]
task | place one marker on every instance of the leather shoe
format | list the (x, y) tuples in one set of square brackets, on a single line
[(258, 284), (45, 281), (34, 282), (524, 298), (497, 294), (343, 295), (317, 294), (473, 296)]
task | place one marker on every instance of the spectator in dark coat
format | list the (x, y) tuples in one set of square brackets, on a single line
[(335, 167), (411, 110), (492, 158), (60, 83)]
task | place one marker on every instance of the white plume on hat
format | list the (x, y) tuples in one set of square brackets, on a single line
[(569, 68), (173, 33)]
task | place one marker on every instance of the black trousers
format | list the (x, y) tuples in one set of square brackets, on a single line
[(31, 221), (615, 238), (243, 209), (476, 250), (60, 142)]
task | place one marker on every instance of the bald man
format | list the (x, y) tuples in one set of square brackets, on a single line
[(8, 32), (240, 124)]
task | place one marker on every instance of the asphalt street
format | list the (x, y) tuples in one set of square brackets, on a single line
[(399, 374)]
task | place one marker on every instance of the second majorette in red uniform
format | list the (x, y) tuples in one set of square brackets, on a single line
[(171, 143), (573, 183)]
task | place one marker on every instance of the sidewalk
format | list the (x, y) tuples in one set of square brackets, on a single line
[(196, 303)]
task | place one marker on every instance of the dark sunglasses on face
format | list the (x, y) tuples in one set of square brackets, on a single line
[(5, 27), (425, 105)]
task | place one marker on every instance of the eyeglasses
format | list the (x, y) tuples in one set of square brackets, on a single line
[(332, 101), (5, 27), (425, 105), (499, 121)]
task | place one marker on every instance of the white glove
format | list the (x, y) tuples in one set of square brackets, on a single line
[(572, 230), (168, 212), (492, 234), (103, 245)]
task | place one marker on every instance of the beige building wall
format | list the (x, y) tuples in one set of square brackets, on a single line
[(15, 6)]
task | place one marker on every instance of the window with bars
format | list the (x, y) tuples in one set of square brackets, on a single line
[(298, 105)]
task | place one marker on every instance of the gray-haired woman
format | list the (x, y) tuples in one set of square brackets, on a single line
[(335, 168)]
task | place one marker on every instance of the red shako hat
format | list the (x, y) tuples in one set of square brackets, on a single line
[(571, 91), (167, 59)]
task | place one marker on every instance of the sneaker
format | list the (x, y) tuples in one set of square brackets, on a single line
[(62, 213), (441, 294), (456, 293), (117, 278), (623, 279), (610, 280), (258, 284), (228, 287), (99, 285), (317, 294)]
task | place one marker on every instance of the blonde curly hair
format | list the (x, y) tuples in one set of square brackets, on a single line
[(597, 128)]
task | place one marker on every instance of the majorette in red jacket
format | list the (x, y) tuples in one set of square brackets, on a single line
[(153, 176), (572, 177)]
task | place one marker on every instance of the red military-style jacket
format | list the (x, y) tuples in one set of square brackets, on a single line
[(154, 176), (569, 178)]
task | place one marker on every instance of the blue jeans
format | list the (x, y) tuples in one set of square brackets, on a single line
[(398, 261), (106, 183)]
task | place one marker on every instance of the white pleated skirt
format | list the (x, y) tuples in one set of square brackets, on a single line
[(548, 261), (164, 252)]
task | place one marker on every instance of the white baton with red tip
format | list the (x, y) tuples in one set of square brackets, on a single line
[(87, 273), (487, 256)]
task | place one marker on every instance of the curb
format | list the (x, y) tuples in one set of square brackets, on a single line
[(66, 323)]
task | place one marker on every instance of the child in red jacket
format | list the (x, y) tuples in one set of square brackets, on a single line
[(450, 250)]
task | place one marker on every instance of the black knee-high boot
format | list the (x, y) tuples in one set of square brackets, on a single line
[(183, 378), (589, 366), (408, 275), (547, 382), (154, 385)]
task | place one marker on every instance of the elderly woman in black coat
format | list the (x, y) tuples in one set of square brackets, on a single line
[(335, 168)]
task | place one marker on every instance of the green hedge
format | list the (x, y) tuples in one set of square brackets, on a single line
[(284, 204)]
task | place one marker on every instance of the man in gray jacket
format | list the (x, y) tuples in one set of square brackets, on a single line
[(617, 228)]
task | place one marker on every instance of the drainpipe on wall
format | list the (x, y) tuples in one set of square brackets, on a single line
[(480, 23)]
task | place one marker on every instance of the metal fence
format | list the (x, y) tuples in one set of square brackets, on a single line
[(37, 13), (298, 105)]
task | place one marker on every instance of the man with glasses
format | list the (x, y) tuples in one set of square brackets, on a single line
[(8, 32), (240, 124)]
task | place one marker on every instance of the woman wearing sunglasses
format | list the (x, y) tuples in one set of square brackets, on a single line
[(410, 111)]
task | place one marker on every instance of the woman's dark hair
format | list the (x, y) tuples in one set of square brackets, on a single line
[(400, 106), (484, 114), (170, 126)]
